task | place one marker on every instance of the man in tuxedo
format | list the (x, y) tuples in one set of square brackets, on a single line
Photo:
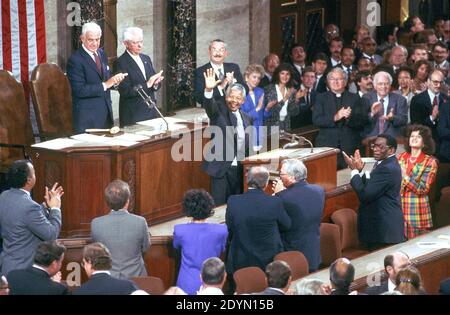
[(387, 111), (255, 221), (89, 76), (425, 106), (278, 275), (97, 262), (139, 67), (304, 204), (298, 62), (270, 63), (226, 73), (339, 116), (37, 279), (229, 123), (25, 223), (306, 99), (393, 263), (380, 214), (125, 234)]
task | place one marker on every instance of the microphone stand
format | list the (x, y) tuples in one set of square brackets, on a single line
[(293, 137), (149, 102)]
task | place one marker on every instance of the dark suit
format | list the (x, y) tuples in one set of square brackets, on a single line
[(380, 214), (91, 105), (378, 289), (131, 106), (443, 130), (304, 204), (34, 281), (265, 81), (226, 179), (270, 291), (304, 117), (254, 221), (321, 85), (345, 133), (399, 107), (297, 76), (200, 80), (444, 288), (103, 284)]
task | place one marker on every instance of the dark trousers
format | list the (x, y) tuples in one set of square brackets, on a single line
[(229, 184)]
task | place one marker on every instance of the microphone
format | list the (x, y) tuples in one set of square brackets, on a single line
[(149, 102), (295, 141)]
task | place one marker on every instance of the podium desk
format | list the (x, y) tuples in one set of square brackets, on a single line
[(157, 181)]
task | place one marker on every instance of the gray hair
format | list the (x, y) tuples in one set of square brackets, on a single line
[(213, 271), (309, 287), (403, 48), (132, 31), (91, 27), (258, 177), (380, 74), (296, 169), (337, 70), (218, 40), (236, 86)]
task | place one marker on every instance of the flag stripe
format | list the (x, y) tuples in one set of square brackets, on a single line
[(6, 35), (31, 36), (1, 41), (23, 36), (40, 31), (15, 40)]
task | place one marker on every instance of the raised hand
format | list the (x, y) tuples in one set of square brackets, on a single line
[(260, 103), (210, 80), (435, 112), (115, 80), (53, 197), (376, 108), (349, 160), (155, 79), (271, 104)]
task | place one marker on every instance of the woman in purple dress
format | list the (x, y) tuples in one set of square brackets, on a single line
[(198, 240)]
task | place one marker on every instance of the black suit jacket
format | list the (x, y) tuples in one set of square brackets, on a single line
[(104, 284), (304, 204), (343, 134), (270, 291), (131, 106), (321, 86), (200, 80), (304, 117), (221, 117), (380, 214), (265, 81), (378, 289), (254, 222), (33, 281), (443, 130)]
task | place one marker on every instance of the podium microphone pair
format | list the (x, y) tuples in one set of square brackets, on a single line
[(149, 102)]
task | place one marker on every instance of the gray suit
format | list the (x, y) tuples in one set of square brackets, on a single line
[(398, 106), (24, 225), (127, 238)]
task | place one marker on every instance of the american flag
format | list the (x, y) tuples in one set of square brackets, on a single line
[(22, 40)]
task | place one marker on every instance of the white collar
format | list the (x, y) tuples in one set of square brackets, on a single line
[(391, 285), (432, 95), (217, 67), (134, 56), (90, 53), (101, 271), (209, 291), (40, 268)]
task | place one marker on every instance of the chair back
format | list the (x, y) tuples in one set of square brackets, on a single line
[(52, 100), (297, 261), (346, 219), (330, 243), (151, 285), (15, 123), (249, 280)]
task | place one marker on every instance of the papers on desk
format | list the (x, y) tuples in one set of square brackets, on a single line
[(159, 126), (86, 137), (105, 141), (132, 137), (433, 245), (57, 144)]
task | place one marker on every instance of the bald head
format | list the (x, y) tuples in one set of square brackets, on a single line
[(395, 262), (342, 273)]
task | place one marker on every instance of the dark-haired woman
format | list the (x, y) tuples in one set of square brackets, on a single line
[(198, 240), (419, 172)]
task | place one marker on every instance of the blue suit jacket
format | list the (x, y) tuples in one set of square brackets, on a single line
[(444, 287), (254, 222), (33, 281), (304, 204), (443, 130), (25, 224), (91, 105), (380, 214), (131, 106), (104, 284)]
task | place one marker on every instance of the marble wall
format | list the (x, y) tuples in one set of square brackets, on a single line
[(51, 33)]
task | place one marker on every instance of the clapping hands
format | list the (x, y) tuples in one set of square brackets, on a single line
[(53, 197), (354, 161)]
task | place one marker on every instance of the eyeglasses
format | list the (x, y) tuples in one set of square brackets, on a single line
[(379, 146), (220, 50), (383, 84), (435, 82), (337, 79), (136, 42)]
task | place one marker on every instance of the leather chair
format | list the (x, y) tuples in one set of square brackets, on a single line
[(249, 280), (346, 219), (52, 100), (297, 261), (15, 125), (151, 285), (330, 243)]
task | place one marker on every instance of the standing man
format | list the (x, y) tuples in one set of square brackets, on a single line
[(255, 221), (380, 214), (298, 62), (89, 76), (226, 73), (140, 72), (306, 97), (25, 223), (126, 235), (223, 161), (270, 63), (304, 204)]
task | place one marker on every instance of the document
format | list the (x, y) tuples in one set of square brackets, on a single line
[(436, 245), (57, 144)]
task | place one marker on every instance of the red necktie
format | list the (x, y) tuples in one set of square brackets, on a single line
[(381, 119), (435, 101), (98, 63)]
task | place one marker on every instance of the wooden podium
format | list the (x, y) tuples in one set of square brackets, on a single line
[(156, 180)]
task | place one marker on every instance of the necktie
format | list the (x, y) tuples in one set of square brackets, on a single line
[(307, 98), (98, 63), (349, 72), (435, 101), (381, 118), (221, 76)]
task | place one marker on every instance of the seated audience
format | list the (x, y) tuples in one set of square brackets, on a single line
[(213, 277), (309, 287), (409, 282), (198, 205), (278, 275), (342, 274), (37, 279), (304, 204), (124, 234), (97, 262)]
